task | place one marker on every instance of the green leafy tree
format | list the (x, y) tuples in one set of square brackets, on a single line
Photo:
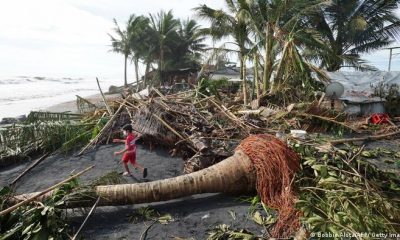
[(164, 33), (232, 23), (121, 44), (274, 24), (137, 30), (353, 27)]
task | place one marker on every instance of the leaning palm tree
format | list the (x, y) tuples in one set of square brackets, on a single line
[(164, 29), (121, 44), (230, 24), (353, 27), (137, 29)]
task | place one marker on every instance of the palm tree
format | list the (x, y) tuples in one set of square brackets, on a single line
[(352, 27), (164, 30), (190, 45), (232, 24), (137, 29), (272, 21), (121, 44)]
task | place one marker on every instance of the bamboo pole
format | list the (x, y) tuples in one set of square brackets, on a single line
[(377, 137), (104, 98), (12, 208), (227, 113), (30, 168), (103, 129), (159, 93), (256, 112)]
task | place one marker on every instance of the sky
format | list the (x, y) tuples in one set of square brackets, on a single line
[(69, 38)]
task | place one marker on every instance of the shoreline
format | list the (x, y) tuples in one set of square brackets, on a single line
[(69, 106), (19, 97)]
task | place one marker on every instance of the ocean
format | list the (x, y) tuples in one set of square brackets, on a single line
[(21, 94)]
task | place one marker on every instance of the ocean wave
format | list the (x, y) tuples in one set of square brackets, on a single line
[(43, 95), (27, 79)]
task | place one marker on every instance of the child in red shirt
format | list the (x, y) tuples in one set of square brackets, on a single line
[(129, 151)]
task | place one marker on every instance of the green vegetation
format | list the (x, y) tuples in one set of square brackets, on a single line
[(47, 219), (40, 220), (287, 41), (159, 39), (208, 87), (341, 192), (47, 132)]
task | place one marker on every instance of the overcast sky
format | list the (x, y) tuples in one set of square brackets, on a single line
[(69, 37)]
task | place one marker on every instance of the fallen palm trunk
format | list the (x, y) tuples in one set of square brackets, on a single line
[(235, 174), (261, 163)]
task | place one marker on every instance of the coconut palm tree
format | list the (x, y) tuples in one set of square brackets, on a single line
[(137, 29), (232, 24), (164, 30), (121, 44), (190, 44), (353, 27), (272, 21)]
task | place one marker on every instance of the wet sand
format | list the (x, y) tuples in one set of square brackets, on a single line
[(193, 216)]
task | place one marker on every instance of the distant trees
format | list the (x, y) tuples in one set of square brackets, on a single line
[(287, 40), (159, 39)]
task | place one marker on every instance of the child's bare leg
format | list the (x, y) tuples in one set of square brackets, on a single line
[(127, 168), (143, 169), (135, 165)]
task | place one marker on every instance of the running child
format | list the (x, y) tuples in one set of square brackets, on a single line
[(129, 153)]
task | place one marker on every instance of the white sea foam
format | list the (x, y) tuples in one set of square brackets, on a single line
[(21, 94)]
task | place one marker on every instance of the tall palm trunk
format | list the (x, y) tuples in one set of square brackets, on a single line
[(136, 62), (146, 73), (125, 69), (269, 59), (160, 64), (243, 76), (279, 71), (255, 80), (235, 174)]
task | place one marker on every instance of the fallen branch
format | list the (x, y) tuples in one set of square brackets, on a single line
[(30, 168), (87, 217), (377, 137), (144, 234), (328, 120), (12, 208)]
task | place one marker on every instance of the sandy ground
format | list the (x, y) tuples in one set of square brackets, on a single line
[(193, 216)]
